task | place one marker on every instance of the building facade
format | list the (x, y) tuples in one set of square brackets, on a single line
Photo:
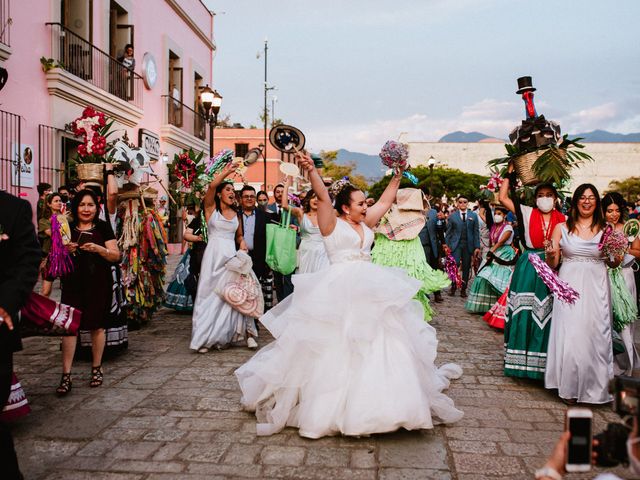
[(64, 55), (612, 161)]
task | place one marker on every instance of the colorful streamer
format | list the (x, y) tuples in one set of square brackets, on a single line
[(561, 289)]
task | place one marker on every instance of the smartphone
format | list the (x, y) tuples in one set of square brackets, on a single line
[(579, 422), (85, 237)]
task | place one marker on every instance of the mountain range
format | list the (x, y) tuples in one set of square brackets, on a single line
[(594, 136)]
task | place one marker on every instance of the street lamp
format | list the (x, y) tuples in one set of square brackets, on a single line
[(431, 163), (211, 101)]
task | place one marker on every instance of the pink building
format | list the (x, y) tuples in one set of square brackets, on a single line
[(241, 140), (81, 41)]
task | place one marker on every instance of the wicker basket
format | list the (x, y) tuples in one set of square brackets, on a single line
[(90, 172), (524, 166)]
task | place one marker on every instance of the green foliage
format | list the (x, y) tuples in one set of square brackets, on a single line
[(336, 172), (446, 181), (629, 188), (554, 165)]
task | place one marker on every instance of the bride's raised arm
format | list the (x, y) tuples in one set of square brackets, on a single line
[(326, 214), (382, 206)]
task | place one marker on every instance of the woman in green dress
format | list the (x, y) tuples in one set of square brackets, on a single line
[(527, 322), (494, 274), (397, 244)]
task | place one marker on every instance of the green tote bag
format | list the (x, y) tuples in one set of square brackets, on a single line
[(281, 245)]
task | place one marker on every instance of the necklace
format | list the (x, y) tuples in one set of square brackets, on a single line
[(582, 227)]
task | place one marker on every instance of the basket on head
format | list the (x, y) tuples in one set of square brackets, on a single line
[(90, 172), (524, 165)]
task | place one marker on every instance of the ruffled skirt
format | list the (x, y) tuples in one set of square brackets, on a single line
[(352, 356)]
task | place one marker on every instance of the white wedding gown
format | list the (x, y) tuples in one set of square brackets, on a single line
[(352, 353)]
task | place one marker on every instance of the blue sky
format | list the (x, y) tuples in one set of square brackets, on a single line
[(355, 73)]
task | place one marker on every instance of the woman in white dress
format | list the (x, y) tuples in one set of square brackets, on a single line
[(613, 204), (312, 255), (352, 353), (215, 323), (580, 353)]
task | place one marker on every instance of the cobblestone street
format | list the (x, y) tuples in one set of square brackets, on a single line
[(167, 413)]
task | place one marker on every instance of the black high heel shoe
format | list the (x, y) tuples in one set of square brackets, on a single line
[(65, 384)]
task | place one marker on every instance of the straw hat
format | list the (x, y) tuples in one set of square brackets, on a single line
[(406, 217)]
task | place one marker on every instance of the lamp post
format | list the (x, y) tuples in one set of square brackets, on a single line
[(431, 163), (211, 101)]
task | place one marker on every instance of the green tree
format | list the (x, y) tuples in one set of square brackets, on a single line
[(629, 188), (336, 172), (445, 181)]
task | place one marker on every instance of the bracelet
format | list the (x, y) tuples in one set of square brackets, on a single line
[(547, 472)]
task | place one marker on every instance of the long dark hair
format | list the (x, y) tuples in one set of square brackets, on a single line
[(306, 203), (343, 198), (219, 189), (598, 218), (75, 204), (614, 198)]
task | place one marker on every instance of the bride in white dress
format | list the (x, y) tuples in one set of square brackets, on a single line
[(352, 353), (215, 323)]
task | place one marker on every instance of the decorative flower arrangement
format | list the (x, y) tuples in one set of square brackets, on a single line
[(613, 243), (395, 155), (93, 128), (189, 169)]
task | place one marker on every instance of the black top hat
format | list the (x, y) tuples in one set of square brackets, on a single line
[(525, 84)]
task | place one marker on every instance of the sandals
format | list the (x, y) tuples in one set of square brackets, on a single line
[(96, 376), (65, 384)]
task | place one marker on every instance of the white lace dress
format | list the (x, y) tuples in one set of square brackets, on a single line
[(352, 353)]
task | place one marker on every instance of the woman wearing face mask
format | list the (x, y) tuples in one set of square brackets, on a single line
[(215, 323), (526, 329), (580, 356), (312, 256), (494, 275), (623, 287), (263, 199)]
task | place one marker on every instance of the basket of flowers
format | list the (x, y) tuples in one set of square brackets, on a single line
[(93, 128)]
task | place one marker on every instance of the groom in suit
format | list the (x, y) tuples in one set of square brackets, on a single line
[(463, 238), (19, 261), (429, 240)]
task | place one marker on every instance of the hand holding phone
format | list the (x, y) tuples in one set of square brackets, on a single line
[(579, 424), (85, 237)]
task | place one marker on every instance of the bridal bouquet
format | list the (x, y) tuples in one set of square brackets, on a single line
[(613, 243)]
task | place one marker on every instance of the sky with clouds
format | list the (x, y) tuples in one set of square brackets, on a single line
[(354, 73)]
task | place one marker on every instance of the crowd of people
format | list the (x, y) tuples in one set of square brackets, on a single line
[(365, 271)]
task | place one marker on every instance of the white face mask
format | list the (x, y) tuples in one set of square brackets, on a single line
[(634, 463), (498, 218), (545, 204)]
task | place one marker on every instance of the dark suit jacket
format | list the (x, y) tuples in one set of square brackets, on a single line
[(19, 261), (259, 252), (454, 231), (428, 235)]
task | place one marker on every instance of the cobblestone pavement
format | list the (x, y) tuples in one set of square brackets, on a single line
[(166, 413)]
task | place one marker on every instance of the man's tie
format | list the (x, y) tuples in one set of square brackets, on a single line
[(464, 217)]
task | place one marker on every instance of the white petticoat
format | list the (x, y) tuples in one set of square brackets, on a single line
[(352, 355)]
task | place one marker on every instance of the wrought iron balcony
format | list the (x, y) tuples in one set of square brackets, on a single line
[(5, 22), (86, 61), (179, 115)]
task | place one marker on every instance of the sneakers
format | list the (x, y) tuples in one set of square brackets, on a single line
[(251, 343)]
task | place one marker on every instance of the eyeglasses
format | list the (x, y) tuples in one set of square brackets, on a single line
[(590, 198), (463, 201), (248, 197)]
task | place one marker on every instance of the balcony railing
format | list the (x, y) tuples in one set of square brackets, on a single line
[(88, 62), (5, 22), (179, 115)]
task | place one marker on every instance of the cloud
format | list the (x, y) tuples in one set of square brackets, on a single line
[(489, 116)]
